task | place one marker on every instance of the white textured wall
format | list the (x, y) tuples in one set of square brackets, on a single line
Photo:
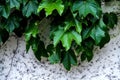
[(15, 64)]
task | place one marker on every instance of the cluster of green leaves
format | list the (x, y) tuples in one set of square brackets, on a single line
[(77, 27)]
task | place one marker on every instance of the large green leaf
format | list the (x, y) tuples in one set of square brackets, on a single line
[(68, 59), (97, 34), (5, 10), (66, 38), (86, 7), (11, 23), (49, 6), (30, 7)]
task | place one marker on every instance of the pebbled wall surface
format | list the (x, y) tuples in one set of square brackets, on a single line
[(15, 64)]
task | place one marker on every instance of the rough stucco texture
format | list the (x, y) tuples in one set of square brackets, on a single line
[(15, 64)]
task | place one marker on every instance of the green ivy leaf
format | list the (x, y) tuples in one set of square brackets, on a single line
[(110, 19), (78, 26), (73, 23), (35, 48), (57, 36), (15, 3), (66, 38), (89, 55), (5, 10), (86, 33), (42, 50), (24, 2), (97, 34), (68, 59), (11, 23), (54, 58), (31, 31), (103, 25), (86, 7), (83, 57), (55, 54), (77, 37), (38, 47), (104, 40), (30, 7), (49, 6)]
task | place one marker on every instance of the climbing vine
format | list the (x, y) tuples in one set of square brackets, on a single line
[(77, 26)]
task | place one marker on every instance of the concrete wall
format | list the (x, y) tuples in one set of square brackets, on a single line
[(15, 64)]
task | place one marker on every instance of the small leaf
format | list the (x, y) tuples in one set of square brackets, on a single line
[(5, 10), (41, 49), (86, 33), (103, 25), (54, 58), (57, 36), (97, 34), (67, 40), (55, 54), (83, 56), (68, 59), (72, 56), (29, 8), (78, 26), (110, 19), (89, 55), (104, 40), (50, 48), (77, 37), (73, 23), (32, 30), (14, 3), (49, 6)]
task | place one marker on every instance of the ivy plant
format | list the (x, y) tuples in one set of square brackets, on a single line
[(77, 26)]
